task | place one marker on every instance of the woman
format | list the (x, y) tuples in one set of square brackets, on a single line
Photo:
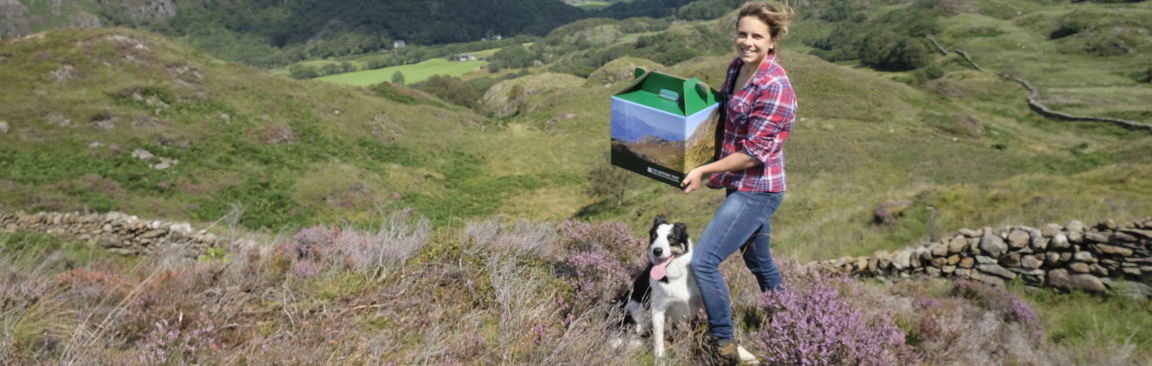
[(760, 110)]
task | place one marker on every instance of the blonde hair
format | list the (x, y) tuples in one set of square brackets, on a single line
[(777, 20)]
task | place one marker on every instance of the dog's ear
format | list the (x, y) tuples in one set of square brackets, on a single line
[(680, 232), (659, 221)]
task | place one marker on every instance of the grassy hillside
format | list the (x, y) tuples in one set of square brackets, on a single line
[(290, 152), (281, 154), (965, 143)]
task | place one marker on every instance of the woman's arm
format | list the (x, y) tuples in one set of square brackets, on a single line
[(738, 161)]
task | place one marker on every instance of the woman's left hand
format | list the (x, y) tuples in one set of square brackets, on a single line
[(691, 181)]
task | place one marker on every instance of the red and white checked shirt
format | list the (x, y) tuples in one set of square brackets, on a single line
[(760, 116)]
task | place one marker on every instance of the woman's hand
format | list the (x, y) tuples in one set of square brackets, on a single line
[(739, 161), (691, 181)]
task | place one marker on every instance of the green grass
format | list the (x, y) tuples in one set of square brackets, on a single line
[(593, 5), (412, 73), (1091, 324)]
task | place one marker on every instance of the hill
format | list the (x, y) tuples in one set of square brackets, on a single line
[(81, 103), (121, 119), (278, 33)]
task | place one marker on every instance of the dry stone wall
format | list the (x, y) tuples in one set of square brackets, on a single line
[(114, 231), (1073, 257)]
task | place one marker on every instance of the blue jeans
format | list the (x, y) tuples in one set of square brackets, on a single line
[(740, 223)]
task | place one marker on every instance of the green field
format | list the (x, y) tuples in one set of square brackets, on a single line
[(412, 73), (593, 5)]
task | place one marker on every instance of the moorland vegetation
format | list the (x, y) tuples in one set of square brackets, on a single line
[(222, 137)]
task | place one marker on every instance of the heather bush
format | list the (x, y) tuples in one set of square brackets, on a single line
[(332, 248), (614, 237), (812, 323), (599, 256), (170, 344), (520, 238), (1009, 307)]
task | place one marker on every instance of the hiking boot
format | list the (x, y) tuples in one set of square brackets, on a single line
[(726, 351)]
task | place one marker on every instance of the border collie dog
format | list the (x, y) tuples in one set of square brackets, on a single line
[(667, 284)]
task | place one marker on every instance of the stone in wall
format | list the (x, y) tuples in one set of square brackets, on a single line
[(1070, 257)]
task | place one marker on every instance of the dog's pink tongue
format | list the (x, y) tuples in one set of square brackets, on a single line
[(659, 270)]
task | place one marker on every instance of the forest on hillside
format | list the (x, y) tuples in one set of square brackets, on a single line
[(267, 33)]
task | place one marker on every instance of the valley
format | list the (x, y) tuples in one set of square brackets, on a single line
[(185, 128)]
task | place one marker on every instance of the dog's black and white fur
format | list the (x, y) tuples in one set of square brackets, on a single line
[(675, 296)]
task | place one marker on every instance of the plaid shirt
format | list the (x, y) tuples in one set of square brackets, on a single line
[(760, 117)]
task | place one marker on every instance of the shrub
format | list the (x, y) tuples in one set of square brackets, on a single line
[(1143, 76), (453, 90), (810, 323), (607, 181), (604, 268), (1009, 307), (893, 52)]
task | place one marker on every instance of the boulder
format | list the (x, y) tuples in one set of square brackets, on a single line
[(1029, 261), (1114, 250), (902, 259), (1134, 290), (1098, 270), (1076, 226), (1060, 241), (962, 272), (1096, 237), (1084, 257), (932, 271), (993, 245), (1079, 267), (1107, 224), (1061, 279), (954, 259), (884, 259), (989, 279), (1138, 232), (1075, 231), (1051, 230), (993, 269), (970, 233), (1120, 236), (974, 246), (985, 260), (925, 253), (938, 262), (1018, 239), (142, 154), (967, 262), (1010, 260), (939, 250), (957, 245)]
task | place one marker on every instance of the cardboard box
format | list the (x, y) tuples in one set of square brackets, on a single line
[(663, 126)]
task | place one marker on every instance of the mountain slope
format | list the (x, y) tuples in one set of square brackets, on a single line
[(80, 103)]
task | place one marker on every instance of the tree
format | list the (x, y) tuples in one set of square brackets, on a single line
[(330, 69), (453, 90), (398, 78), (347, 67), (894, 52), (606, 181)]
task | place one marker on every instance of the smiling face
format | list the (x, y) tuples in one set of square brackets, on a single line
[(753, 40)]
